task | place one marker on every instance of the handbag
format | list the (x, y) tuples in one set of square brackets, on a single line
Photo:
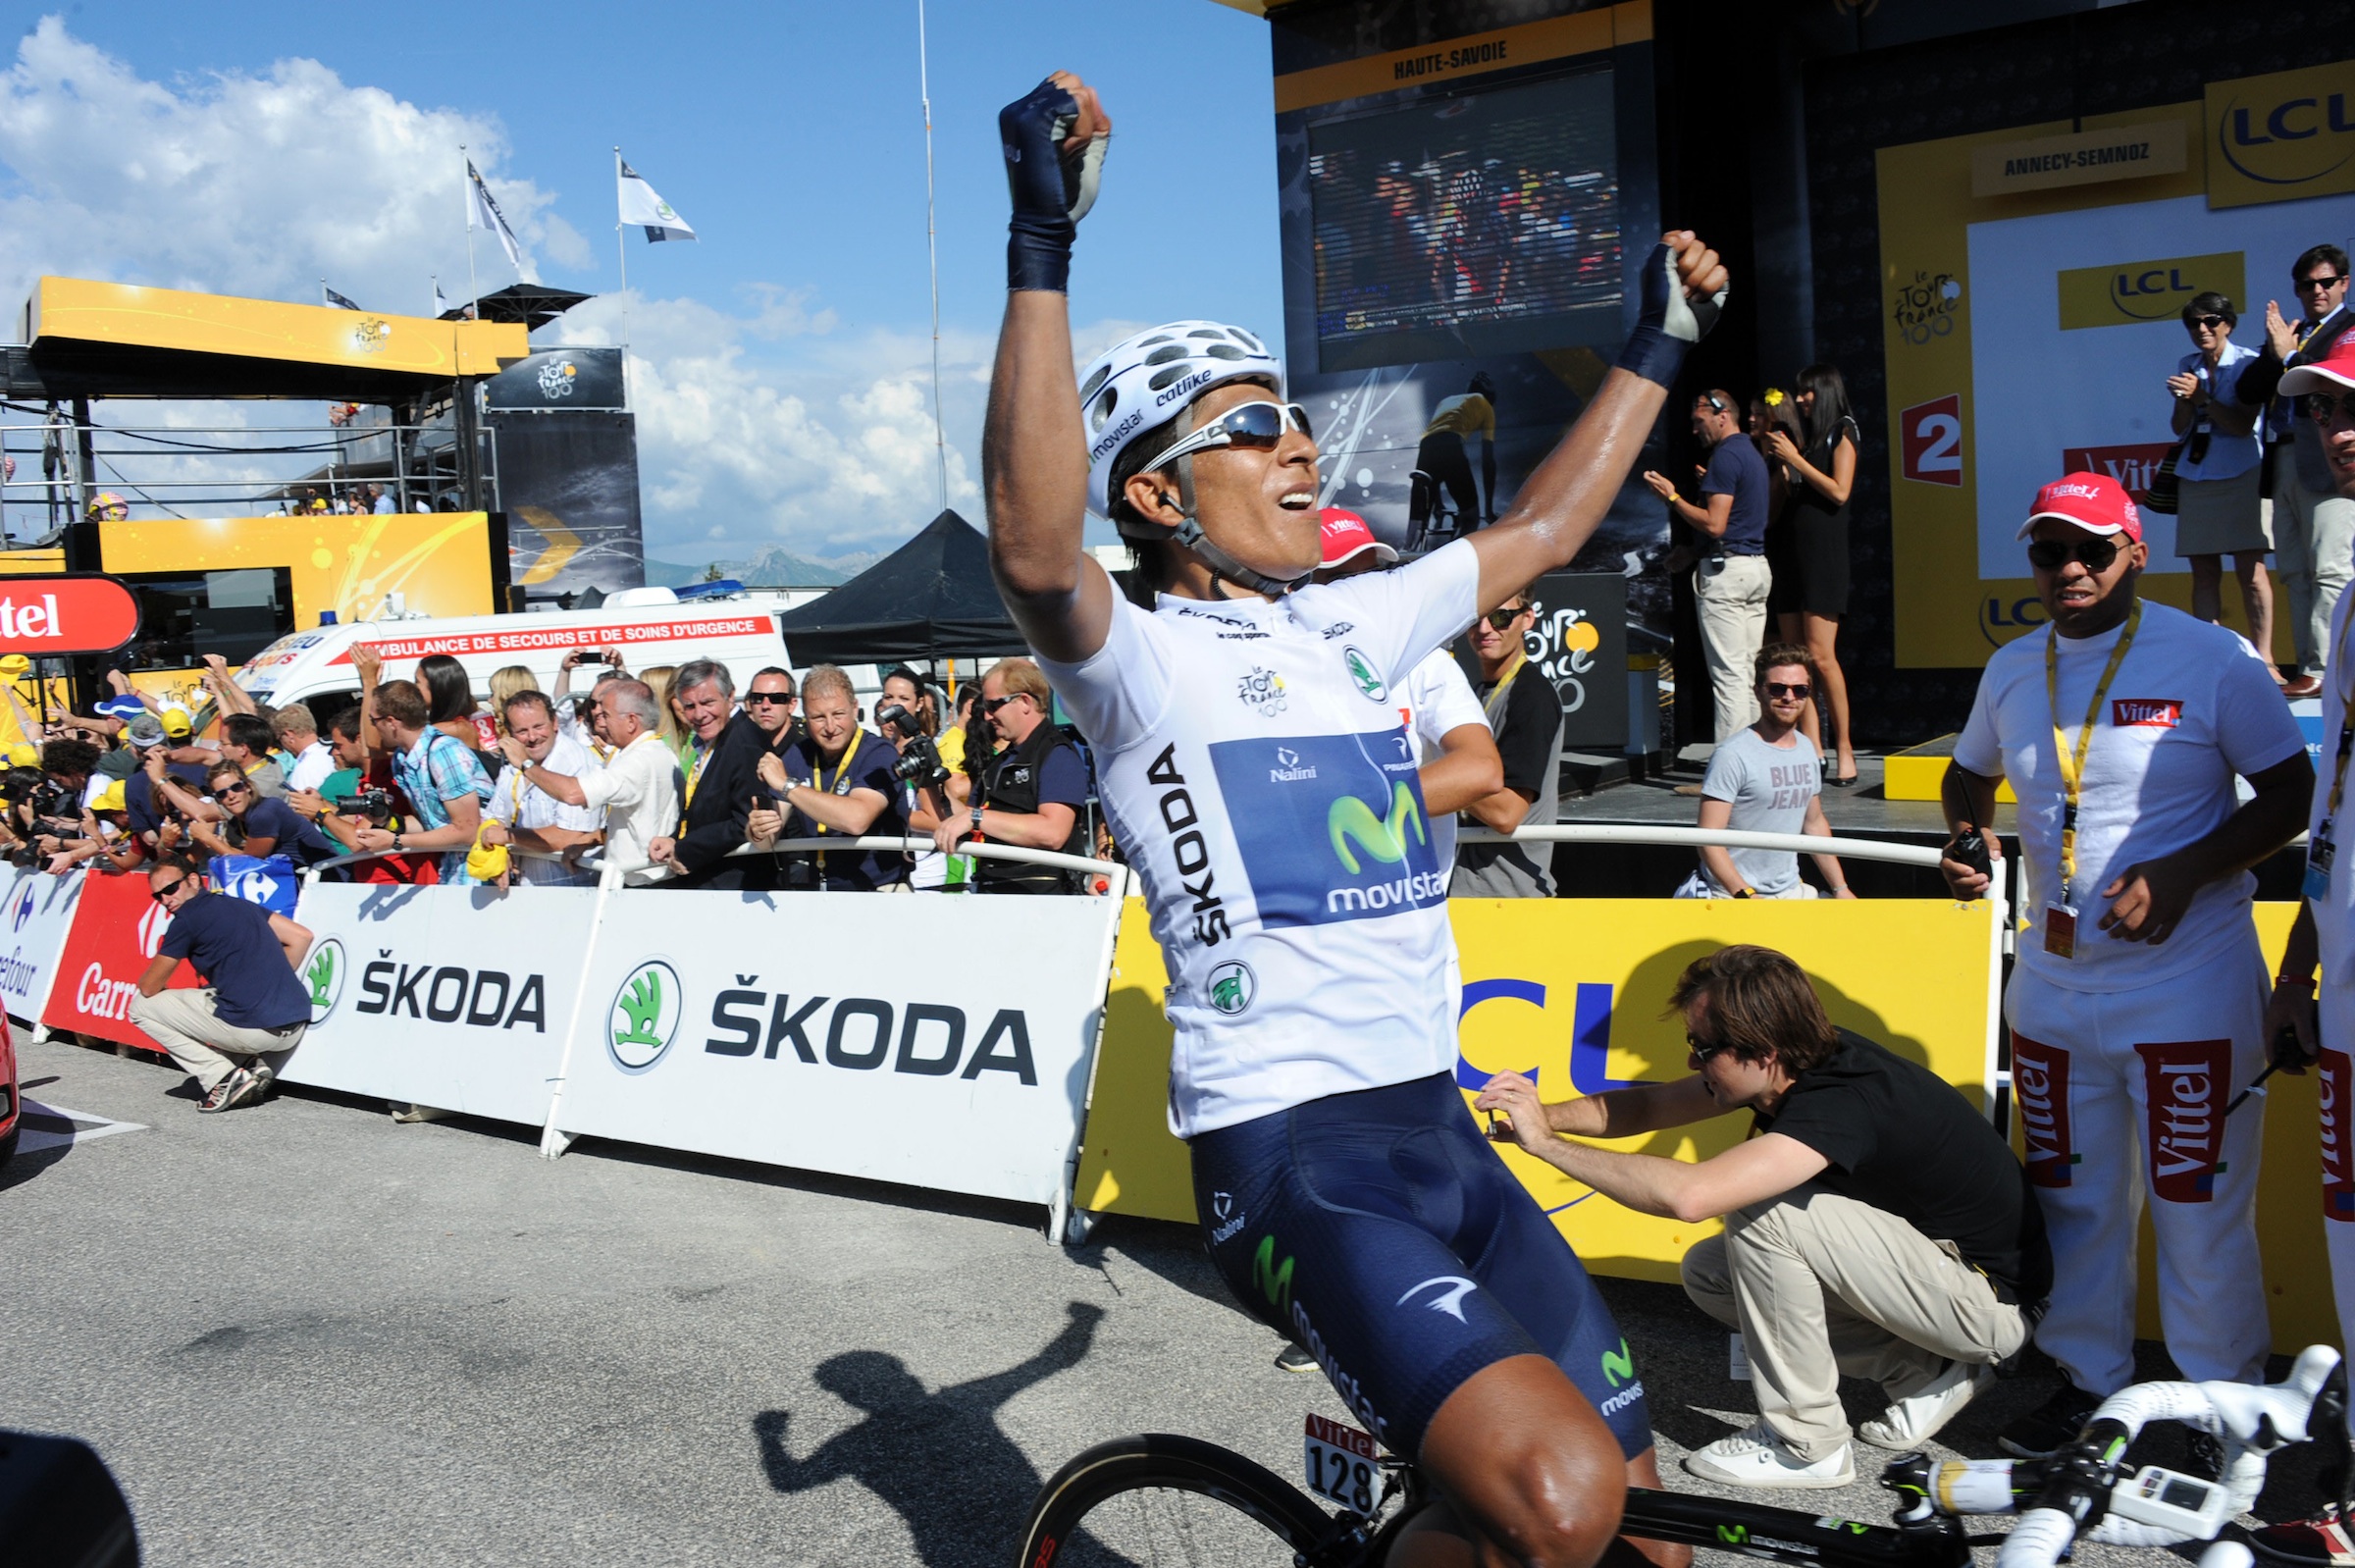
[(488, 862)]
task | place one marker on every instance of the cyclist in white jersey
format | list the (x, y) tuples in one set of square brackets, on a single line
[(1253, 766)]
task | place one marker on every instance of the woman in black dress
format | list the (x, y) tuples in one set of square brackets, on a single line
[(1811, 581)]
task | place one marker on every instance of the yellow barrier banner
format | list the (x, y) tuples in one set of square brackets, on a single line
[(1571, 990)]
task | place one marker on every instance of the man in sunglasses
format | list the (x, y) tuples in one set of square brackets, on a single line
[(1732, 581), (1525, 715), (1034, 793), (1876, 1225), (2314, 525), (236, 1033), (2138, 1002), (2322, 1019), (1252, 763)]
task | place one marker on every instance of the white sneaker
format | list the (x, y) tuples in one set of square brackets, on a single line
[(1756, 1457), (1913, 1421)]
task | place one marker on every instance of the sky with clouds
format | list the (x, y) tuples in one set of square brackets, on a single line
[(781, 366)]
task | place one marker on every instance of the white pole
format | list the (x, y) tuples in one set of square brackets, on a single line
[(923, 71), (466, 189), (621, 243)]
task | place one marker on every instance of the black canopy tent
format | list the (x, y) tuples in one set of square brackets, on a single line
[(932, 598)]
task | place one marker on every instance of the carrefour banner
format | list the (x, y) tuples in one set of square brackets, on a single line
[(455, 997), (1570, 992), (2033, 282), (36, 910), (793, 1028)]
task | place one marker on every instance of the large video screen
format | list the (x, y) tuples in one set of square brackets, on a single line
[(1482, 223)]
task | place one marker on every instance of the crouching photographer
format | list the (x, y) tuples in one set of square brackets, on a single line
[(1031, 794)]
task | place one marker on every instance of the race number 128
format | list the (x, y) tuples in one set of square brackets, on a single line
[(1340, 1464)]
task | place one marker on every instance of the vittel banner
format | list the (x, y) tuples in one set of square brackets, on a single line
[(455, 997), (790, 1028)]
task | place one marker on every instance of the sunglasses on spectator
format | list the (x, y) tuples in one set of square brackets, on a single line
[(2326, 281), (2050, 555), (991, 705), (2210, 323), (236, 786), (160, 893), (1779, 689), (1505, 615), (1703, 1049), (1258, 425), (785, 698), (2324, 408)]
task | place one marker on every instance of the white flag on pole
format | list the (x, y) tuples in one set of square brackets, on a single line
[(481, 212), (335, 300), (640, 205), (440, 304)]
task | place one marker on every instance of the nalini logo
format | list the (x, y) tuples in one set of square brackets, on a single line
[(1369, 680), (1232, 985), (644, 1017), (323, 977), (1288, 768)]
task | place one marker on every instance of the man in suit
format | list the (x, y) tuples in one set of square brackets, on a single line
[(721, 779)]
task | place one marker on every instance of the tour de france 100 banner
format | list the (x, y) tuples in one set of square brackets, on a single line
[(2034, 280)]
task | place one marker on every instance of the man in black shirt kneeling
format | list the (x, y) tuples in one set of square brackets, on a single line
[(1875, 1223)]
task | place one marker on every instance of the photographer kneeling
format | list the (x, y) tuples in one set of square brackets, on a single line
[(1032, 791), (1876, 1225)]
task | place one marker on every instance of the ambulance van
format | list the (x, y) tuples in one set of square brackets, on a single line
[(648, 627)]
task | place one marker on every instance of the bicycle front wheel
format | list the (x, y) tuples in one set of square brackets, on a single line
[(1157, 1498)]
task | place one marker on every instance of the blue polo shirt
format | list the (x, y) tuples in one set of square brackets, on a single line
[(1735, 469), (229, 943)]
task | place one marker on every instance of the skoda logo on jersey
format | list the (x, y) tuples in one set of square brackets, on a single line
[(1362, 671), (1232, 985), (644, 1017), (24, 908), (323, 977)]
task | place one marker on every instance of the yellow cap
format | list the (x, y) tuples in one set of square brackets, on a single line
[(24, 754), (15, 668), (109, 799), (176, 721)]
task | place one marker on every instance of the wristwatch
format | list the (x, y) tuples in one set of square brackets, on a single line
[(1741, 893), (976, 818), (396, 845)]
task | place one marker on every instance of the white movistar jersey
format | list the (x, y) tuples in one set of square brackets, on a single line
[(1252, 763)]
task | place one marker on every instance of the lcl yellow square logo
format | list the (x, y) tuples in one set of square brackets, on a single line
[(2281, 136), (2130, 293)]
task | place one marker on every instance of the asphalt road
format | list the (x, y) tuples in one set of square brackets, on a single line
[(303, 1334)]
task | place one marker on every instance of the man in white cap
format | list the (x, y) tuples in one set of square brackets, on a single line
[(2325, 930), (2138, 1002), (1457, 754)]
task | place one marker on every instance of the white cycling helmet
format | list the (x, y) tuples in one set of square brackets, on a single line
[(1142, 384)]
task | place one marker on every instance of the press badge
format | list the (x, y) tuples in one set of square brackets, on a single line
[(2319, 850), (2061, 930)]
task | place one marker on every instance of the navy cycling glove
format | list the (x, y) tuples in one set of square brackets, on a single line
[(1669, 323), (1052, 191)]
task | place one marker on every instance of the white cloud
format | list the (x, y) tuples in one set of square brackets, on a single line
[(256, 185)]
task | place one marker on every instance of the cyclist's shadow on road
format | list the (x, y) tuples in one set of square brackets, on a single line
[(939, 1459)]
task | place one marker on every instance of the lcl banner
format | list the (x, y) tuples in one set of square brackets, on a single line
[(821, 1050), (68, 612), (455, 997), (36, 910), (116, 928)]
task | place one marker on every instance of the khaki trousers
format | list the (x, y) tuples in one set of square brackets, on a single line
[(1822, 1284), (2314, 540), (1732, 600), (186, 1025)]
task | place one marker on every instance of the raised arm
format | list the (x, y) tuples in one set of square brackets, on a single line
[(1560, 503), (1033, 457)]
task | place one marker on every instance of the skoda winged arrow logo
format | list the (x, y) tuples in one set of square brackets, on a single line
[(1361, 671), (323, 977), (644, 1016)]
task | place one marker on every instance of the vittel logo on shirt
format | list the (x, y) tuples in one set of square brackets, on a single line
[(1343, 838), (2333, 1069), (2146, 712), (2185, 1084), (2040, 1082)]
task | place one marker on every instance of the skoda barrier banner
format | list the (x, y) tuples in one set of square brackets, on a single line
[(115, 931), (455, 997), (36, 912), (792, 1030)]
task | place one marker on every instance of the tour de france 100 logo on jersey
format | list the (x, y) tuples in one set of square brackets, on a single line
[(1330, 827)]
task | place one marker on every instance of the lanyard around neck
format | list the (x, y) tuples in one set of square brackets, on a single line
[(2072, 760)]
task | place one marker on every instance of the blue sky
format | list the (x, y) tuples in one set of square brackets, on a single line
[(781, 364)]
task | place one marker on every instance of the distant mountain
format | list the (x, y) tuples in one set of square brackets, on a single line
[(773, 567)]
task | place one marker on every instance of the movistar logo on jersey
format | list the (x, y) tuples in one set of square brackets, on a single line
[(1330, 827), (1271, 1278)]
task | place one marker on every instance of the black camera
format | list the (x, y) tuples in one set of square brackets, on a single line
[(376, 805), (920, 765)]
